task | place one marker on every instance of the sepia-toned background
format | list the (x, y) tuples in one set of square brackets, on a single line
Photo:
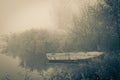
[(59, 40)]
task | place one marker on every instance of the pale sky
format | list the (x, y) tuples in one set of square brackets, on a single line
[(21, 15)]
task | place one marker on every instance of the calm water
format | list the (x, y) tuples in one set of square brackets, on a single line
[(10, 67), (17, 68)]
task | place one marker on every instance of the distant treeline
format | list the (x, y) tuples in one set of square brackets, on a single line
[(97, 30)]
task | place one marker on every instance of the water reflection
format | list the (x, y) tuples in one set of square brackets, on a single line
[(31, 65), (10, 69), (40, 63)]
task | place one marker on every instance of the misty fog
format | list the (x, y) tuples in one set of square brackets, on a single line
[(20, 15)]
